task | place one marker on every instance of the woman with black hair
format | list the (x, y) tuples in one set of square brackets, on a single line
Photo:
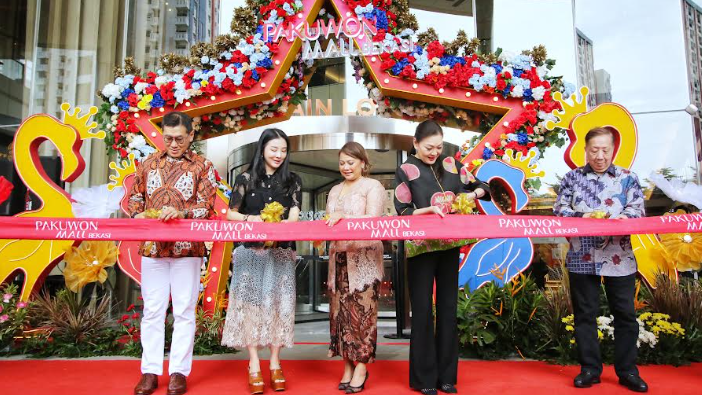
[(261, 310), (428, 183)]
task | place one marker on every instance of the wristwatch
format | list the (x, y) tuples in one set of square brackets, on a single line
[(185, 213)]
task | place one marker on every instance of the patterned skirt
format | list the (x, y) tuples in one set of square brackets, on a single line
[(261, 310), (353, 318)]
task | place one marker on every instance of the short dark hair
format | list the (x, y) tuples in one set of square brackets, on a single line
[(177, 118), (356, 150), (600, 131)]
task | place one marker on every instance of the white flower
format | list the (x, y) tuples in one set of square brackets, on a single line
[(517, 91), (542, 71), (112, 91), (160, 80), (538, 93)]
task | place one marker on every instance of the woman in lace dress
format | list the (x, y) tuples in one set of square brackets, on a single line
[(261, 311), (355, 269)]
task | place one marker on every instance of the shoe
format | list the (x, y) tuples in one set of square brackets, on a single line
[(147, 385), (343, 386), (634, 382), (354, 390), (277, 380), (255, 382), (448, 388), (428, 391), (586, 380), (177, 384)]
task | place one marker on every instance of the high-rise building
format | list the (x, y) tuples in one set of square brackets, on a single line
[(602, 91), (170, 26), (692, 17), (586, 66)]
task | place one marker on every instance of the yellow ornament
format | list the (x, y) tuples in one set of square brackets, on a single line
[(599, 214), (463, 204), (685, 248), (152, 213), (87, 263), (272, 212)]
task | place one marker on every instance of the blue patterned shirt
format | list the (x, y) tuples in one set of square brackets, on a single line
[(615, 192)]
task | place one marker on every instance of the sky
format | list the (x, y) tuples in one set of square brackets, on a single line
[(640, 43)]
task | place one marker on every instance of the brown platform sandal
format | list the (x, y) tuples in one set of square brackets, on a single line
[(255, 382), (277, 380)]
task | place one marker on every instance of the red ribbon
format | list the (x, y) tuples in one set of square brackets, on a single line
[(381, 228)]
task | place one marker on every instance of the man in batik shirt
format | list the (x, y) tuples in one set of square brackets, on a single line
[(601, 189), (172, 184)]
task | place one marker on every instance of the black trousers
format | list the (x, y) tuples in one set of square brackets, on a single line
[(585, 294), (433, 356)]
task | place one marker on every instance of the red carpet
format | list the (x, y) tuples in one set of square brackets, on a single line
[(78, 377)]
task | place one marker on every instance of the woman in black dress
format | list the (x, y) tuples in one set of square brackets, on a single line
[(261, 310), (428, 183)]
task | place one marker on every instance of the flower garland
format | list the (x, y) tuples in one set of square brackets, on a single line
[(234, 70)]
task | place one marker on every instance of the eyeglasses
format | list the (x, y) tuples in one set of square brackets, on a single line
[(169, 139)]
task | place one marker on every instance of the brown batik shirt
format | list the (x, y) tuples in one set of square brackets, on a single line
[(187, 183)]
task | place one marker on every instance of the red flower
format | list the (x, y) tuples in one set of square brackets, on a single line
[(435, 50), (123, 153), (501, 84), (124, 318), (135, 316), (616, 259), (151, 89)]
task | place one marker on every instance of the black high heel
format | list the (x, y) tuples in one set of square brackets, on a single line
[(354, 390), (343, 386)]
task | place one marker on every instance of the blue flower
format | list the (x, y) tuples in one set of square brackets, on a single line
[(114, 109), (123, 105), (521, 62), (267, 63), (522, 138), (527, 95), (487, 153), (127, 92), (517, 73), (397, 68), (451, 61), (254, 75), (497, 67), (157, 101)]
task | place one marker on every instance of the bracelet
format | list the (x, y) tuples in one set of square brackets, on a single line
[(246, 217)]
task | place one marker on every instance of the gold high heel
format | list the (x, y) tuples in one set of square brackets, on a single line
[(255, 382), (277, 380)]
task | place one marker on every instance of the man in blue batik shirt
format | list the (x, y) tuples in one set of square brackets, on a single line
[(601, 188)]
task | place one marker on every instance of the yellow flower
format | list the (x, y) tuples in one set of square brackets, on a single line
[(645, 316), (204, 83), (685, 248), (572, 341), (478, 162), (272, 212), (463, 205), (600, 335), (570, 328), (87, 263)]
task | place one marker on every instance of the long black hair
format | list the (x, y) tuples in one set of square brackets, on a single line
[(257, 166), (426, 129)]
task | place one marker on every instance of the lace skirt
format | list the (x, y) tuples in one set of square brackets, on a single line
[(261, 310), (353, 317)]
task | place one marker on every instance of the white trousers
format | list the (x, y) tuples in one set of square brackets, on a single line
[(162, 279)]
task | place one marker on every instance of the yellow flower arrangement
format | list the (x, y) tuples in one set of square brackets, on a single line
[(88, 262), (685, 249), (272, 212), (463, 205)]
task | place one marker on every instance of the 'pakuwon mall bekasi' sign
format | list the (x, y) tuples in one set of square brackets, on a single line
[(339, 38)]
